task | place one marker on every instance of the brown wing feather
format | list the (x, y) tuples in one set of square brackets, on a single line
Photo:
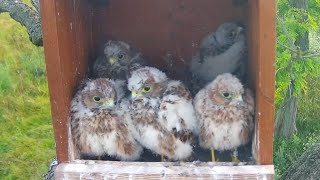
[(180, 90), (144, 115)]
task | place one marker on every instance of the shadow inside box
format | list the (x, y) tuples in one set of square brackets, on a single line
[(204, 155), (199, 154), (146, 156)]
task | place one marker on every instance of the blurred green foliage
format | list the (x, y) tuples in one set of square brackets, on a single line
[(305, 74), (26, 134), (302, 68), (287, 151)]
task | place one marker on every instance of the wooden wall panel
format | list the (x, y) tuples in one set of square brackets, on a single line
[(262, 39), (167, 26), (67, 41)]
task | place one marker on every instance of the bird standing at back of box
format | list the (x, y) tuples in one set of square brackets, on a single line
[(163, 117), (223, 51), (98, 126), (117, 61), (226, 114)]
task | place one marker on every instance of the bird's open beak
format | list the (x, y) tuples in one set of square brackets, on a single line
[(135, 94), (112, 60), (108, 103)]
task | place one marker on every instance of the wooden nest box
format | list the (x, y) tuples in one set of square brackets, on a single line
[(74, 29)]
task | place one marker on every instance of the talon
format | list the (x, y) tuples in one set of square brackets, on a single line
[(163, 159), (212, 155), (234, 155), (235, 159)]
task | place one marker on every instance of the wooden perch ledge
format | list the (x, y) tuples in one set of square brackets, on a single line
[(81, 169)]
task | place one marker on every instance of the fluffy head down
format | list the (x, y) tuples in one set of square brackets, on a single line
[(147, 81), (219, 41), (226, 35), (229, 33), (117, 52), (98, 94), (118, 59), (226, 89)]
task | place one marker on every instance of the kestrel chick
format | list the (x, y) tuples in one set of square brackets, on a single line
[(223, 51), (177, 113), (117, 61), (162, 113), (98, 127), (225, 111)]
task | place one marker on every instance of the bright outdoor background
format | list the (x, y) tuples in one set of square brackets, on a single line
[(26, 134)]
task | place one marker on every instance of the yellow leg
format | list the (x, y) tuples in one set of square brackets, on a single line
[(234, 155), (163, 159), (212, 155)]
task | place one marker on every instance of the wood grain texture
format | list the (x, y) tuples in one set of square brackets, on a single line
[(67, 39), (136, 170), (167, 26), (262, 48)]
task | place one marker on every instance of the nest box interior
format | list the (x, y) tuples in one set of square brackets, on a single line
[(74, 30)]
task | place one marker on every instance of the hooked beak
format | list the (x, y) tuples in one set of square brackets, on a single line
[(112, 60), (109, 103), (135, 94), (240, 30), (237, 100)]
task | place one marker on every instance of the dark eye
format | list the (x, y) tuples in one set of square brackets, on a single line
[(96, 98), (120, 56), (147, 89), (226, 95)]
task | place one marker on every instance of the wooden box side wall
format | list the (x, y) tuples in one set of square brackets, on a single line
[(262, 51), (67, 37)]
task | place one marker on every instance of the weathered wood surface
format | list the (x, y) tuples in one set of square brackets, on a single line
[(66, 26), (161, 170), (262, 50)]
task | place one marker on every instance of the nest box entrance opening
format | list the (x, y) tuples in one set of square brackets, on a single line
[(74, 30)]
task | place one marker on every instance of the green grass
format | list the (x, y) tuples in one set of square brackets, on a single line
[(286, 151), (26, 134)]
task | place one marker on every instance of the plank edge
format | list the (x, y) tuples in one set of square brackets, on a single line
[(104, 169)]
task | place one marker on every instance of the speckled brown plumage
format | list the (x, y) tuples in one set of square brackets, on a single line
[(178, 89), (147, 119), (225, 111), (117, 61), (98, 127), (162, 113)]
